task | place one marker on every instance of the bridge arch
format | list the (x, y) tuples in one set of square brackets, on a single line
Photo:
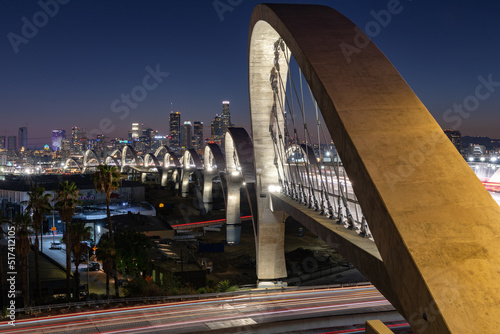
[(89, 156), (135, 158), (214, 166), (112, 161), (149, 163), (116, 154), (171, 164), (190, 159), (72, 160), (377, 124), (240, 172)]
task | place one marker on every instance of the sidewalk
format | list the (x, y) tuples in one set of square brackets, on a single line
[(96, 279)]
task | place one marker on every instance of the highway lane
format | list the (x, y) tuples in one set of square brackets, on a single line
[(226, 314)]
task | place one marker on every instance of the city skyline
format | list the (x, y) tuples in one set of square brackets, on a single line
[(84, 66)]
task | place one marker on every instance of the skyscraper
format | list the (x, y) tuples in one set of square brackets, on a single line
[(187, 135), (136, 131), (23, 137), (57, 137), (2, 142), (226, 121), (76, 135), (175, 129), (11, 143), (198, 137), (226, 115), (217, 130)]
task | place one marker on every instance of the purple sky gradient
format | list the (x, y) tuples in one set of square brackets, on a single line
[(91, 52)]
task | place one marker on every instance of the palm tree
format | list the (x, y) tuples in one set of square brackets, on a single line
[(77, 233), (106, 253), (67, 200), (38, 205), (106, 179), (22, 223)]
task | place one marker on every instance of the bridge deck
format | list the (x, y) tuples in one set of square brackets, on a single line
[(362, 252)]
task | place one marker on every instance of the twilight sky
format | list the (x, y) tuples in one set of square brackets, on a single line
[(74, 69)]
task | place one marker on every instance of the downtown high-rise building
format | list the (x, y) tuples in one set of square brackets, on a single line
[(226, 121), (57, 137), (136, 131), (198, 137), (76, 136), (187, 135), (23, 138), (2, 142), (175, 129), (12, 143), (226, 116), (217, 130)]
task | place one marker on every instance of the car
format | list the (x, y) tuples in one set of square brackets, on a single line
[(94, 266), (83, 258), (55, 245)]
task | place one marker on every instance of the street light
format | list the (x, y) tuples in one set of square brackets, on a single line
[(88, 284)]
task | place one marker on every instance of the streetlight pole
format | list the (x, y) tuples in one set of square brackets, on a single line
[(88, 281), (53, 226)]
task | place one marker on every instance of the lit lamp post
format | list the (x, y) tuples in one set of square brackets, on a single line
[(88, 267), (53, 229)]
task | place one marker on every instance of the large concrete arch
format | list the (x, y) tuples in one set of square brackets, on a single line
[(111, 159), (116, 154), (89, 156), (432, 220), (124, 157), (69, 160), (170, 164), (214, 166), (189, 159), (239, 172), (150, 161)]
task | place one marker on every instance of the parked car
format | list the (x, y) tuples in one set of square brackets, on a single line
[(94, 266), (55, 245), (83, 258)]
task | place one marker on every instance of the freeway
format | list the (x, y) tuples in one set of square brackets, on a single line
[(272, 312)]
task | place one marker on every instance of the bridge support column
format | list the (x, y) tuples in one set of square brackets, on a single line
[(233, 212), (144, 177), (185, 183), (175, 178), (207, 190), (164, 177), (270, 245)]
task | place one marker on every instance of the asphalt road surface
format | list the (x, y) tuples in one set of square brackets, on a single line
[(245, 313)]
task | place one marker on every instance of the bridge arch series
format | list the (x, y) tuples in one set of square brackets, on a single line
[(434, 224)]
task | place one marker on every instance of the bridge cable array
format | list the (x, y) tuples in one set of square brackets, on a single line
[(303, 176)]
